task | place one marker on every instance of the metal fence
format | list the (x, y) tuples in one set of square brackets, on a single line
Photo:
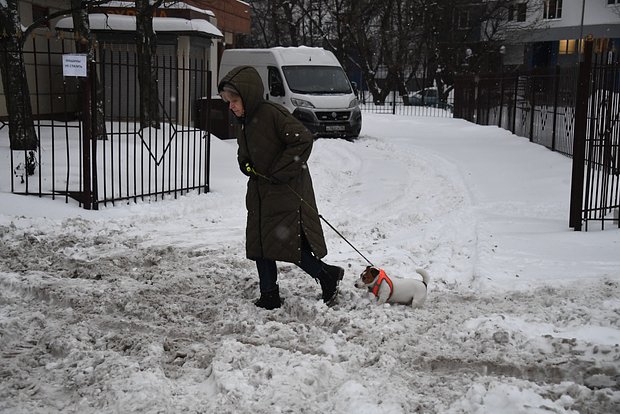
[(408, 105), (595, 197), (539, 105), (127, 162), (574, 111)]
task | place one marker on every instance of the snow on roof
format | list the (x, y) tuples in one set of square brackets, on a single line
[(122, 23), (174, 5)]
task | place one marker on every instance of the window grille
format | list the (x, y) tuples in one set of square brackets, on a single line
[(553, 9)]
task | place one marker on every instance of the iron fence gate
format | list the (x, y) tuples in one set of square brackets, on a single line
[(595, 194), (74, 160), (413, 104), (574, 111)]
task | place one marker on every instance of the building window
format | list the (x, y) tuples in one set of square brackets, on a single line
[(517, 12), (568, 47), (602, 45), (521, 11), (462, 19), (553, 9), (39, 12)]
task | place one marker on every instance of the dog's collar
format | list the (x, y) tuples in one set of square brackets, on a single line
[(382, 278)]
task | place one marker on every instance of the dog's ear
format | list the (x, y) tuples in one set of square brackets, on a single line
[(374, 271)]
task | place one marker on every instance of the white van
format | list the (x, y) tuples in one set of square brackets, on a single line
[(308, 81)]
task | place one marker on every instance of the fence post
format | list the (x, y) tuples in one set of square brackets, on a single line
[(533, 109), (208, 144), (579, 141), (556, 86), (87, 132), (92, 74), (501, 98), (477, 98), (393, 102), (514, 104)]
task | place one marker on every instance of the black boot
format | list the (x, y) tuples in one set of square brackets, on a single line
[(329, 278), (269, 300)]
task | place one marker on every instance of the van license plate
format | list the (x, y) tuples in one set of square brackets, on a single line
[(334, 128)]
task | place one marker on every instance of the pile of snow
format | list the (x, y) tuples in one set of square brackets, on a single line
[(147, 308)]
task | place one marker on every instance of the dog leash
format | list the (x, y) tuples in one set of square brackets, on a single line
[(328, 223), (314, 210)]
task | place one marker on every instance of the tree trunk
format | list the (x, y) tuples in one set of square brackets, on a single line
[(84, 44), (146, 43), (22, 135)]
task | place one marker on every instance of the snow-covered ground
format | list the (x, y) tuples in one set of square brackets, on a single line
[(147, 308)]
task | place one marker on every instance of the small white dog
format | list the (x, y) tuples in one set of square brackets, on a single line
[(392, 290)]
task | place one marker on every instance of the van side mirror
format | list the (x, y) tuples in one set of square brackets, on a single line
[(355, 90), (276, 89)]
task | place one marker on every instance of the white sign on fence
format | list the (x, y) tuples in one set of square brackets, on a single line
[(74, 65)]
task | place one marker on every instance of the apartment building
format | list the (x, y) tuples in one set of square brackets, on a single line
[(544, 33)]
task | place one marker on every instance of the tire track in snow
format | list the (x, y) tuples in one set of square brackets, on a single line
[(183, 328)]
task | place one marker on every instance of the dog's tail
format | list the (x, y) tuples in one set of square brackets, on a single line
[(426, 278)]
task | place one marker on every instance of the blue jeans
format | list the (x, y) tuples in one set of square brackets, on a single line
[(268, 271)]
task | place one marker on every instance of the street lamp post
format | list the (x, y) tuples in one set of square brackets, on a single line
[(579, 43)]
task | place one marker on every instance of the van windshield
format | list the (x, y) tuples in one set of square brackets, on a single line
[(319, 80)]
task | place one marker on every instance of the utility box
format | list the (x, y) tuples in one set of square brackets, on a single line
[(219, 121)]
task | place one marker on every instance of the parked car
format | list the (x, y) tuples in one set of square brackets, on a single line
[(425, 97)]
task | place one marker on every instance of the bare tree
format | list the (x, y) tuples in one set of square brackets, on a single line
[(84, 44), (146, 43), (367, 36), (395, 44), (17, 95), (22, 134), (268, 20)]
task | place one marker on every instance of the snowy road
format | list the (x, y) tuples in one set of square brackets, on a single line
[(148, 308)]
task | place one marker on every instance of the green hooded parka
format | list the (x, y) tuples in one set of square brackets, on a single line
[(278, 146)]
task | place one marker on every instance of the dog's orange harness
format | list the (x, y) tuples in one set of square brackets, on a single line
[(382, 278)]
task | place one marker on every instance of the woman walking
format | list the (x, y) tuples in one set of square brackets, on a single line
[(283, 223)]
